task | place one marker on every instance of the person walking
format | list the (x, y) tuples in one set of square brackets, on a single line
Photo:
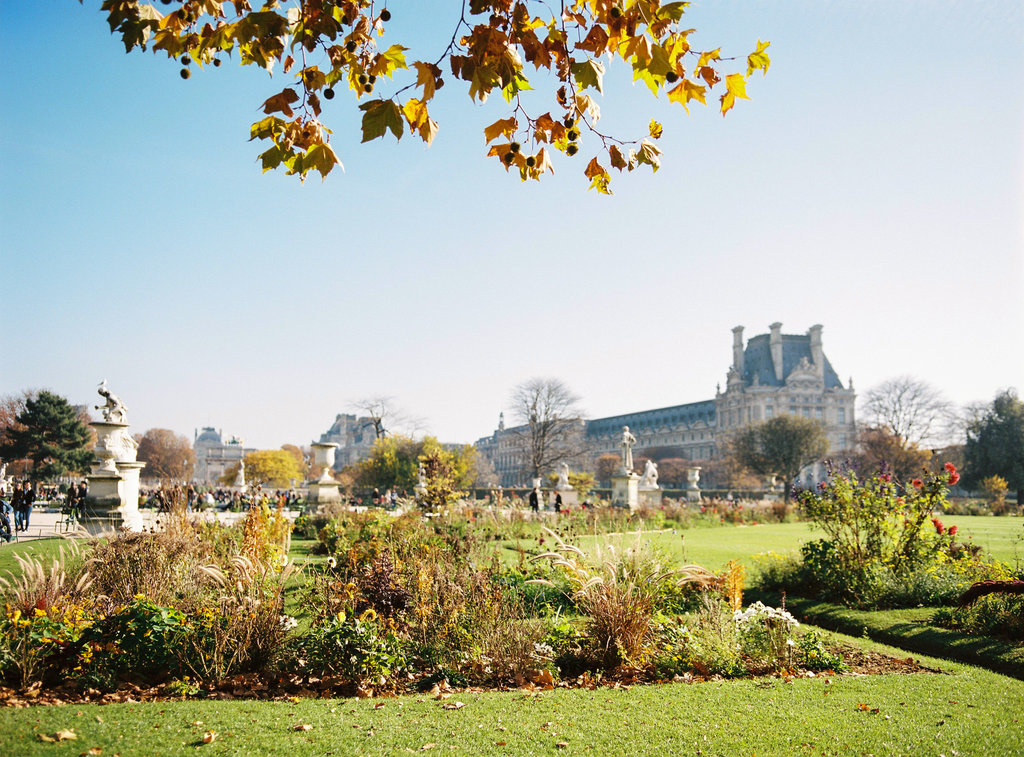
[(28, 496), (534, 500)]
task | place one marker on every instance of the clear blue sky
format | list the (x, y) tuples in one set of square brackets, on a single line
[(873, 184)]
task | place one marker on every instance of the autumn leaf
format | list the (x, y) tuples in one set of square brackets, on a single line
[(655, 129), (322, 158), (209, 737), (302, 727), (426, 76), (616, 157), (281, 102), (736, 86), (506, 126), (685, 91), (649, 154), (599, 177), (92, 752), (64, 735), (454, 705), (758, 59), (379, 116), (589, 73)]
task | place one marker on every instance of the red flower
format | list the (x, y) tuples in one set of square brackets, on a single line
[(950, 468), (953, 478), (918, 483), (952, 530)]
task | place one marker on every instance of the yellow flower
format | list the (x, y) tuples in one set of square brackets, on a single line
[(341, 616), (368, 615), (40, 613), (16, 616)]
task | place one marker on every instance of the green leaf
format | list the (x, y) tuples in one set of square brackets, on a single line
[(589, 73), (759, 59), (518, 84), (379, 116)]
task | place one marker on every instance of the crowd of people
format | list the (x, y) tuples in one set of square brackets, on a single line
[(16, 505)]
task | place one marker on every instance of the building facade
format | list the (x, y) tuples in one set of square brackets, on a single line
[(772, 374), (354, 437), (214, 456)]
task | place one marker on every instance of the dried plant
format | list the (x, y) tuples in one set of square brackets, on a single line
[(36, 587), (620, 594)]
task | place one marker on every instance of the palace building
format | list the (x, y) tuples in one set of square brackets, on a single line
[(770, 375)]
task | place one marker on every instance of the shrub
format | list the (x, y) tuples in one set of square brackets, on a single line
[(40, 644), (766, 636), (137, 640), (813, 653), (359, 648), (997, 615)]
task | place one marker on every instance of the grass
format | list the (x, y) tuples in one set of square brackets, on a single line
[(909, 629), (1001, 537), (965, 711)]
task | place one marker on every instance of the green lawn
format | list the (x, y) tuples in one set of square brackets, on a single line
[(964, 711), (1002, 537)]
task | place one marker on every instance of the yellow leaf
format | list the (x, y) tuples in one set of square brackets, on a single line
[(759, 59), (736, 86), (209, 737), (685, 91), (65, 735), (426, 75), (655, 129), (707, 57), (506, 126), (599, 177)]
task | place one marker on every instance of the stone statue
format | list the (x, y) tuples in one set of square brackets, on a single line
[(114, 410), (563, 478), (240, 476), (628, 440), (421, 478), (649, 480)]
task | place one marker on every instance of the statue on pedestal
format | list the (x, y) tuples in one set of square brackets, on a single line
[(563, 478), (649, 479), (628, 440), (114, 410)]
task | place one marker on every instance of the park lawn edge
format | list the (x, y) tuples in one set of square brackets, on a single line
[(910, 630)]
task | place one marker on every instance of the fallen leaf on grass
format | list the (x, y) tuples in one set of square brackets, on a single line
[(380, 705), (454, 705), (93, 752), (209, 737), (499, 743), (425, 747), (562, 745), (302, 727), (65, 735)]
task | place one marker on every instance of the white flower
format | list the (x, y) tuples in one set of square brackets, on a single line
[(288, 622), (790, 643), (332, 563), (284, 560)]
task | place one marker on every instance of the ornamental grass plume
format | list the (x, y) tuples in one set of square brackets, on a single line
[(37, 588), (619, 594)]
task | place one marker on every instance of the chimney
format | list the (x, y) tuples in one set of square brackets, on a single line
[(817, 355), (737, 349), (776, 346)]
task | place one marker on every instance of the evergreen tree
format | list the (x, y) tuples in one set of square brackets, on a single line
[(50, 434), (995, 444)]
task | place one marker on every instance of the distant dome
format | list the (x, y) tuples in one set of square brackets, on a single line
[(209, 436)]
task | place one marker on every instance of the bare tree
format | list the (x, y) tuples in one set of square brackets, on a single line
[(384, 416), (550, 429), (913, 410)]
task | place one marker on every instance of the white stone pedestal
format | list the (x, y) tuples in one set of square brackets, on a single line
[(649, 497), (113, 499), (693, 484), (625, 490), (325, 488)]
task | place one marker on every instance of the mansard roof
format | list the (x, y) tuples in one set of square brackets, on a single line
[(689, 414), (757, 360)]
